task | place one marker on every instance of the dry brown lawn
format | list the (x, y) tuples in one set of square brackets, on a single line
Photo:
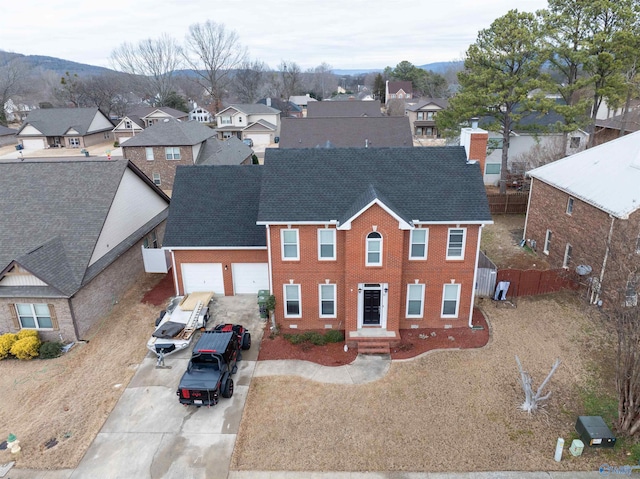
[(446, 411), (501, 243), (69, 398)]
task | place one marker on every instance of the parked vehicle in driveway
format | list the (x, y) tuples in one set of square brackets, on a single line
[(248, 142), (175, 326), (213, 362)]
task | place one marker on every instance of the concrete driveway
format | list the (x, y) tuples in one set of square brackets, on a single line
[(150, 435)]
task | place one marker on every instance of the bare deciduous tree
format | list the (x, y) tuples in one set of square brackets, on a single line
[(213, 52), (152, 63), (533, 401), (291, 79), (249, 81), (13, 76)]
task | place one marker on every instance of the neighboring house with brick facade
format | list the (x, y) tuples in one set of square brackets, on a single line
[(72, 234), (422, 116), (611, 128), (143, 117), (358, 132), (254, 121), (585, 210), (370, 241), (398, 90), (159, 149), (64, 128)]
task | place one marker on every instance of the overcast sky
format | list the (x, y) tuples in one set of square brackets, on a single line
[(345, 34)]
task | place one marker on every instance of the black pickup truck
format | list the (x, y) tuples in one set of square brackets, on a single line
[(214, 358)]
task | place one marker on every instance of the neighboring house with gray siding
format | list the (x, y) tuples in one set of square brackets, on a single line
[(72, 235), (64, 128), (143, 117)]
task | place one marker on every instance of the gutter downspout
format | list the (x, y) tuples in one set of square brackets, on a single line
[(604, 261), (175, 275), (73, 319), (526, 218), (475, 278), (269, 259)]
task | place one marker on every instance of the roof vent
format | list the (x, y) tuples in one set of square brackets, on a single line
[(474, 123)]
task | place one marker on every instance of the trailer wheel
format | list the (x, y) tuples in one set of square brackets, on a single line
[(246, 341), (227, 388)]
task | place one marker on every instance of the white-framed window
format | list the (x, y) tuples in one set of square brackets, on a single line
[(374, 249), (570, 206), (292, 301), (450, 300), (420, 115), (326, 244), (429, 115), (567, 256), (149, 154), (290, 244), (547, 242), (455, 243), (172, 153), (327, 295), (156, 179), (492, 168), (74, 142), (127, 124), (415, 300), (225, 120), (419, 240), (34, 316)]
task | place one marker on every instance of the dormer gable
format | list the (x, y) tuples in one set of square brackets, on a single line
[(17, 275), (369, 198)]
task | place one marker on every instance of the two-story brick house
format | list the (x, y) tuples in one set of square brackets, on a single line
[(370, 241), (162, 147), (584, 210)]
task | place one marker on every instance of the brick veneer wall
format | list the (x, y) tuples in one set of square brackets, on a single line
[(60, 308), (349, 270), (96, 299), (160, 164), (226, 257), (586, 229)]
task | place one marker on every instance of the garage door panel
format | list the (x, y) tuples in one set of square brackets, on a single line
[(198, 277), (260, 138), (33, 144), (249, 278)]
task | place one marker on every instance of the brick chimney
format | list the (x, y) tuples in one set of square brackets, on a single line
[(474, 140)]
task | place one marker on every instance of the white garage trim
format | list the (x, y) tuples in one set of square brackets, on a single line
[(259, 138), (202, 277), (33, 144), (249, 278)]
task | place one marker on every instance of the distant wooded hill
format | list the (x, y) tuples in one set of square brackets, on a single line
[(61, 66)]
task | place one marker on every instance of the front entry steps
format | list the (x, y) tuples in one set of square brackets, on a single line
[(373, 346)]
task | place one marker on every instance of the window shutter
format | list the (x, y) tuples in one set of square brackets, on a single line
[(54, 318), (14, 316)]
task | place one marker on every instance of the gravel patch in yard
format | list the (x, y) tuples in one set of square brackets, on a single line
[(447, 411)]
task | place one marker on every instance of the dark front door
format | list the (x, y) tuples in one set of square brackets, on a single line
[(371, 307)]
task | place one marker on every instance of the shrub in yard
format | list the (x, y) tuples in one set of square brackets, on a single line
[(27, 333), (314, 338), (6, 341), (334, 336), (294, 338), (50, 349), (26, 348)]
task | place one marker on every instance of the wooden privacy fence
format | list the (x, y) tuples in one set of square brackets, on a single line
[(486, 278), (532, 281), (513, 203)]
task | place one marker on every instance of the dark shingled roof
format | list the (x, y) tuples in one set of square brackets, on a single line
[(319, 184), (172, 133), (385, 131), (52, 214), (333, 109), (4, 131), (142, 111), (231, 151), (215, 206), (57, 121)]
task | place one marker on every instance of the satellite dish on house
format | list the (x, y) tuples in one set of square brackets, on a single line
[(583, 269)]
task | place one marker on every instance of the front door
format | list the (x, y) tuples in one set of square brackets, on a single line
[(371, 307)]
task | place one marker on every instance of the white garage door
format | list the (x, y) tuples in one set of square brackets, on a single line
[(202, 277), (33, 144), (262, 139), (249, 278)]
